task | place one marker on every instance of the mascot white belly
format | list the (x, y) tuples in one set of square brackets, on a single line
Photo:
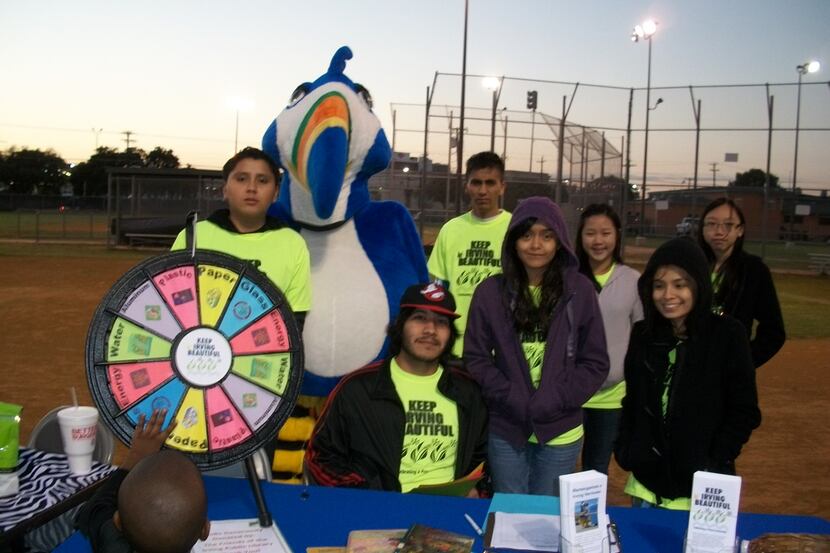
[(364, 253), (349, 305)]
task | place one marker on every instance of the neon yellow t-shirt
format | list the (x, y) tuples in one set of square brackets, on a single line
[(467, 251), (533, 345), (602, 279), (281, 254), (634, 488), (430, 440), (611, 397), (667, 380)]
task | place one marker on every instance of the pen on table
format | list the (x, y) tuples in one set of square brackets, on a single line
[(475, 526), (614, 545)]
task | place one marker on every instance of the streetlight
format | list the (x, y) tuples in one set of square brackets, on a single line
[(96, 132), (238, 103), (494, 84), (645, 31), (808, 67)]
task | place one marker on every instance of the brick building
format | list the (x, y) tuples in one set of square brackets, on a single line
[(811, 222)]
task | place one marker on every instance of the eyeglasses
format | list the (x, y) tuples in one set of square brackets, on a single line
[(714, 225)]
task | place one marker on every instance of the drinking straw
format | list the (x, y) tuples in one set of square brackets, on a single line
[(74, 397)]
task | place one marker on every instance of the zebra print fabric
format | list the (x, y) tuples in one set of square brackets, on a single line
[(45, 481)]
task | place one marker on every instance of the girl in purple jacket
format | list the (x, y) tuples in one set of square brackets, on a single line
[(536, 345)]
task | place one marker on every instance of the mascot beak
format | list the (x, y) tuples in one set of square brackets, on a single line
[(321, 150)]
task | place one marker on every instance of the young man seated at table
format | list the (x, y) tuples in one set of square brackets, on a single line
[(155, 502), (408, 420)]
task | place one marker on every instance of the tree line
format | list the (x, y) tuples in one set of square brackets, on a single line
[(34, 171)]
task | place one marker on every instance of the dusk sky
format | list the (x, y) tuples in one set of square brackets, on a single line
[(167, 72)]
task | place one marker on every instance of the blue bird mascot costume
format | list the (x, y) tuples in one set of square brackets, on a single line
[(364, 253)]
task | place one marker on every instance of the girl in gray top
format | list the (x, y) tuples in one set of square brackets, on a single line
[(598, 248)]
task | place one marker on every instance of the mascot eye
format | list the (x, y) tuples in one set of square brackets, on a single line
[(299, 93), (364, 93)]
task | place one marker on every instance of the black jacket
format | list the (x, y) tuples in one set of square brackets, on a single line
[(753, 298), (712, 410), (95, 517), (358, 439)]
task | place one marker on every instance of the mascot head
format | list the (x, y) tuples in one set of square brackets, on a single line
[(329, 142)]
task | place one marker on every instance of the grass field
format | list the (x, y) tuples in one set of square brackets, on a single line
[(48, 224), (49, 292), (778, 255), (805, 299), (28, 249), (805, 303)]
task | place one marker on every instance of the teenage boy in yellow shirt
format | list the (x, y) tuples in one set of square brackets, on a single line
[(468, 247), (244, 230)]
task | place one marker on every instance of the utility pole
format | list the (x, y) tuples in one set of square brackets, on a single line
[(714, 170), (532, 132), (542, 166), (532, 103), (453, 138), (127, 134)]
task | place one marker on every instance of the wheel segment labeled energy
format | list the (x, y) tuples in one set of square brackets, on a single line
[(209, 338)]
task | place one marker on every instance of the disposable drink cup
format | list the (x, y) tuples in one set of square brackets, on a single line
[(79, 426)]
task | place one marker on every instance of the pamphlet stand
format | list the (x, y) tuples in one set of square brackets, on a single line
[(687, 548), (264, 516), (566, 546)]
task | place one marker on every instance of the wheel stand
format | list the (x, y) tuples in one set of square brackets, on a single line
[(264, 516)]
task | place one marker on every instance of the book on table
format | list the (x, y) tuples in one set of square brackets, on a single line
[(424, 539), (374, 541)]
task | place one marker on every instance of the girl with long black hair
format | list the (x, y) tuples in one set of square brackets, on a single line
[(742, 283), (536, 345), (598, 248)]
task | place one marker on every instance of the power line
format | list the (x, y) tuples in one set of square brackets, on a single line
[(618, 87), (146, 135)]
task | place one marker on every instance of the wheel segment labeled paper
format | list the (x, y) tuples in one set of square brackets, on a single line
[(209, 338)]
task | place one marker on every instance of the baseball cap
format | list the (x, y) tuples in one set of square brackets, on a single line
[(432, 297)]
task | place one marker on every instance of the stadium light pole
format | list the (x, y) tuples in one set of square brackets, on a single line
[(808, 67), (97, 132), (238, 103), (493, 84), (645, 31)]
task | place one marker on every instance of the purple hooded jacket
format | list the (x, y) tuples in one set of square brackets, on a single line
[(575, 362)]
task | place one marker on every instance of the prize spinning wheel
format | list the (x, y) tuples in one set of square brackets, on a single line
[(209, 338)]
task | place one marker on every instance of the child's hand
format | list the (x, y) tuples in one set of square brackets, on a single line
[(148, 439)]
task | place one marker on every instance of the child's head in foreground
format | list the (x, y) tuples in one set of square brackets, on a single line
[(162, 506)]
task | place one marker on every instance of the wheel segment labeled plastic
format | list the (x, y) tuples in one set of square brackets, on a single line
[(209, 338)]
